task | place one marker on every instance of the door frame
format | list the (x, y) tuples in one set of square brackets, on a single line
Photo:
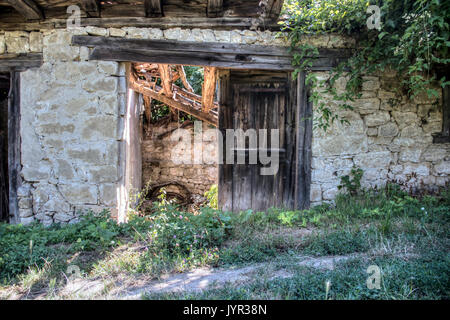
[(227, 56), (14, 64), (14, 146)]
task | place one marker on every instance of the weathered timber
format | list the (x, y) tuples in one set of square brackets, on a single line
[(222, 23), (225, 193), (173, 103), (20, 62), (206, 47), (91, 7), (208, 88), (183, 78), (14, 166), (273, 8), (243, 186), (215, 8), (153, 8), (28, 8), (206, 54), (444, 135), (303, 147), (166, 79)]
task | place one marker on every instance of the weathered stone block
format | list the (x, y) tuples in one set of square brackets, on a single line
[(108, 67), (235, 36), (340, 145), (36, 171), (17, 42), (108, 194), (373, 159), (136, 33), (36, 42), (410, 154), (63, 217), (101, 84), (96, 31), (26, 221), (404, 119), (57, 47), (115, 32), (155, 34), (208, 35), (102, 174), (419, 169), (366, 106), (316, 193), (79, 193), (388, 130), (377, 118), (25, 203), (100, 128), (436, 153), (330, 194), (411, 131), (172, 34), (442, 168), (370, 83), (2, 44), (222, 35), (25, 212)]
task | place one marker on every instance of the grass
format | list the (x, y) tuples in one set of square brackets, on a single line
[(407, 237)]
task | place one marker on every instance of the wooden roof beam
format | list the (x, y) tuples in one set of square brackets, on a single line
[(28, 8), (91, 7), (153, 8), (209, 88), (214, 9)]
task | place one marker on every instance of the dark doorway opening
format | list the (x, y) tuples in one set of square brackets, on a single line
[(4, 183)]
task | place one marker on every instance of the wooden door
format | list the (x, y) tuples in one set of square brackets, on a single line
[(258, 100)]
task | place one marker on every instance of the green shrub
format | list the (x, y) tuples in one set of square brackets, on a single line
[(212, 196)]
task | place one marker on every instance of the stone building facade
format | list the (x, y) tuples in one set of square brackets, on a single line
[(73, 115)]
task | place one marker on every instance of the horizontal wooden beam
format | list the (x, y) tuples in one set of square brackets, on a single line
[(28, 8), (223, 55), (221, 23), (20, 62)]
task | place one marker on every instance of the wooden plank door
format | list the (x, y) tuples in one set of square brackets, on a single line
[(258, 100)]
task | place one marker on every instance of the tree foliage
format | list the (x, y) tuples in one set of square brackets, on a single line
[(413, 39)]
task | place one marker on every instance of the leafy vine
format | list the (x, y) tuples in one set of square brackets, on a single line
[(413, 41)]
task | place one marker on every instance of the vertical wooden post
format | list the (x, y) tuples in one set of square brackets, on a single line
[(303, 124), (14, 162), (225, 194)]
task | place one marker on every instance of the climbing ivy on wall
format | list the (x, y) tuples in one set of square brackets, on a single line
[(412, 39)]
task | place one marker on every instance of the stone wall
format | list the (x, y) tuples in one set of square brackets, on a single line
[(72, 124), (71, 111), (158, 165), (389, 137)]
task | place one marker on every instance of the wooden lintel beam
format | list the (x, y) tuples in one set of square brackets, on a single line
[(91, 7), (20, 62), (214, 9), (153, 8), (28, 8)]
